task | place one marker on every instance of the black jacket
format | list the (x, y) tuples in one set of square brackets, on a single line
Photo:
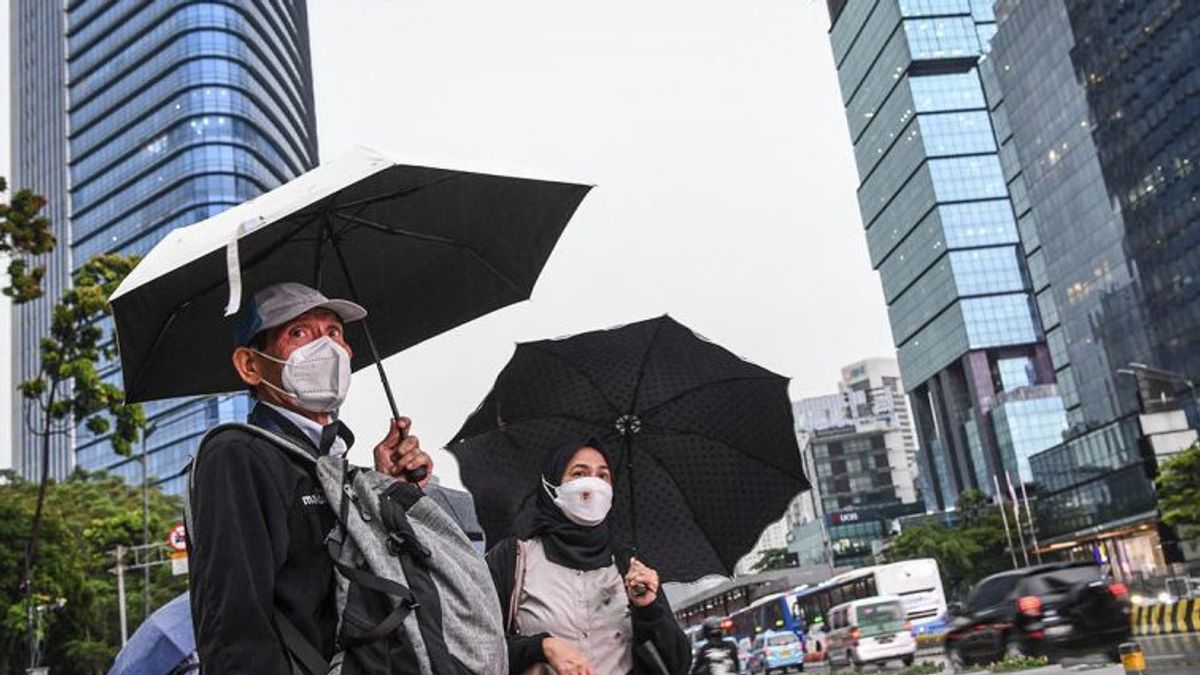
[(257, 546), (655, 623)]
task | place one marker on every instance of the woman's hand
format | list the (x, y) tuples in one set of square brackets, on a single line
[(564, 658), (641, 584)]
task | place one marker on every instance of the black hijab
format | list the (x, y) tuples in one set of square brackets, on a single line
[(566, 543)]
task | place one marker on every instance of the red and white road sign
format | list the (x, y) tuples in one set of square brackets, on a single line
[(177, 539)]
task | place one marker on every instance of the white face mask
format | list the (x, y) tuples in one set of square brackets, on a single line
[(584, 501), (316, 375)]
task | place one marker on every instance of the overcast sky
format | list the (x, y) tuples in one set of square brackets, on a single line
[(712, 129)]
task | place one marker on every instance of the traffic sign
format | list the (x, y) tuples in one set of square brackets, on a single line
[(177, 539)]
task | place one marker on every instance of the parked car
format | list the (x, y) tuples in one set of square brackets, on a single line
[(1055, 610), (776, 652), (870, 630)]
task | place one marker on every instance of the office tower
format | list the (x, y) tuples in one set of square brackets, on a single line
[(860, 459), (39, 162), (1101, 107), (941, 230), (174, 113)]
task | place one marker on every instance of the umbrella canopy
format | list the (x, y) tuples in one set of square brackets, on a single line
[(425, 249), (161, 643), (703, 442)]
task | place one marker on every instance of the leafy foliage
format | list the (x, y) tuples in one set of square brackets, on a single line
[(771, 559), (24, 232), (85, 518), (68, 386), (1011, 664), (971, 550), (1178, 492)]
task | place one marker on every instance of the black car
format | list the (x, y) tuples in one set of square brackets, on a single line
[(1054, 610)]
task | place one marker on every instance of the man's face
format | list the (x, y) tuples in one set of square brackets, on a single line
[(309, 326), (281, 341)]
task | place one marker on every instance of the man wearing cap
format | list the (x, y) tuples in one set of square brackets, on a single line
[(259, 516)]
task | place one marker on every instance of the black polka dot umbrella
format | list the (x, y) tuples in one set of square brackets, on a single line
[(703, 442)]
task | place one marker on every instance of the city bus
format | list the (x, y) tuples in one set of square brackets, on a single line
[(776, 612), (917, 583)]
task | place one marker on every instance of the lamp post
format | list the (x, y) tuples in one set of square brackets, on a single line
[(146, 433)]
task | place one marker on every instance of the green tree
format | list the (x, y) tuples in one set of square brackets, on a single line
[(971, 550), (955, 552), (1178, 492), (85, 518), (24, 232), (68, 386), (771, 559)]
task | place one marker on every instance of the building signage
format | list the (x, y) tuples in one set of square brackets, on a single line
[(842, 518)]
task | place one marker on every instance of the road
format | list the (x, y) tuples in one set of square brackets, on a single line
[(1165, 655)]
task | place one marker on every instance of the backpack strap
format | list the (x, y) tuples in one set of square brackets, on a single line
[(299, 648), (292, 447), (305, 657)]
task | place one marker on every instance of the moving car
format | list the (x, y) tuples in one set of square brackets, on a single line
[(871, 630), (776, 652), (1055, 610)]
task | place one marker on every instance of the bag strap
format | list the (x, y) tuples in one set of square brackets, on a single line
[(514, 600), (301, 650), (293, 448)]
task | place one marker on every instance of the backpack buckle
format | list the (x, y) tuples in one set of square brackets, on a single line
[(398, 542)]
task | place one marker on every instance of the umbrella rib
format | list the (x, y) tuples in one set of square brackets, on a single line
[(681, 432), (637, 388), (526, 420), (702, 387), (404, 192), (684, 498), (615, 408), (434, 239)]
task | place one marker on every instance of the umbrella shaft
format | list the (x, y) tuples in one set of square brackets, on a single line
[(415, 475)]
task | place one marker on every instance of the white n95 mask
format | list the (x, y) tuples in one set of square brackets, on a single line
[(316, 375), (584, 501)]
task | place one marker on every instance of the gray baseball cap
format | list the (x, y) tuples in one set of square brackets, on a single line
[(278, 304)]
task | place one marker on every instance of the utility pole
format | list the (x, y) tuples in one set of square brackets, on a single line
[(146, 433), (144, 557), (120, 572)]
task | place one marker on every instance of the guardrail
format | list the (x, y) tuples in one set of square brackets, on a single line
[(1182, 616)]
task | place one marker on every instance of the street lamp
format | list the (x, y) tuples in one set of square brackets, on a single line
[(146, 433)]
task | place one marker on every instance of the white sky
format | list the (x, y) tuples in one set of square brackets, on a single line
[(713, 131)]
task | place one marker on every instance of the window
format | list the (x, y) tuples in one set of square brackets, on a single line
[(991, 593)]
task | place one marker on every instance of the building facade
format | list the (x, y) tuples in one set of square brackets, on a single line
[(860, 457), (39, 162), (174, 113), (941, 230), (1101, 107)]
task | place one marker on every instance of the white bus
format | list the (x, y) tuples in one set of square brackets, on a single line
[(916, 582)]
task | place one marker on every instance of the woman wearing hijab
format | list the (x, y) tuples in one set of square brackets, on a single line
[(571, 606)]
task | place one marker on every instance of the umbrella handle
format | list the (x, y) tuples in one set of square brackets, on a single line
[(415, 475)]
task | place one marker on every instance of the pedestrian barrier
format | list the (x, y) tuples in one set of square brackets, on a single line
[(1182, 616)]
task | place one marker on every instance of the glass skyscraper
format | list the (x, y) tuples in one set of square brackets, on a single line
[(941, 229), (39, 162), (1103, 111), (174, 112)]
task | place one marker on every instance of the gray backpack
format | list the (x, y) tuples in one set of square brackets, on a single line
[(413, 594)]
